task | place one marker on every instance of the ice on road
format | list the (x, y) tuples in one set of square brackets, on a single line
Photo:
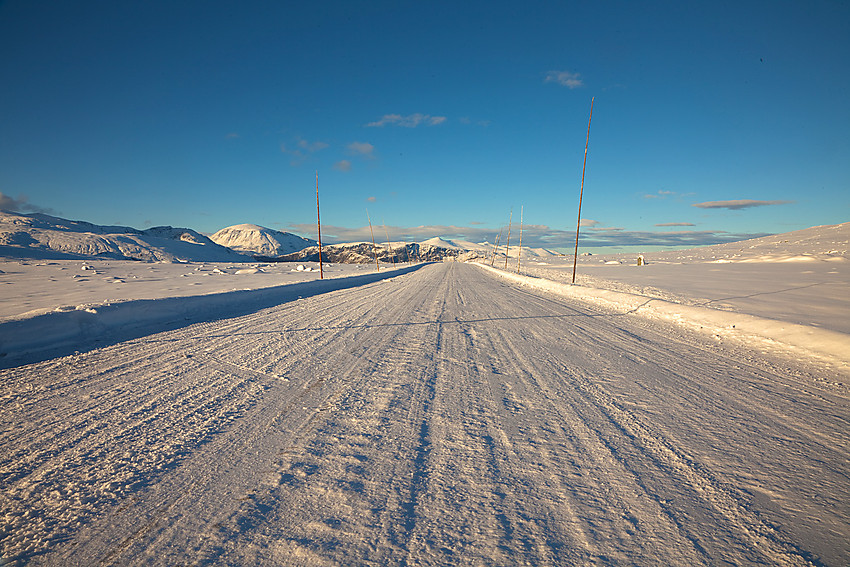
[(439, 417)]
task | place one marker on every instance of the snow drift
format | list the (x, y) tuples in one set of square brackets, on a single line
[(83, 327)]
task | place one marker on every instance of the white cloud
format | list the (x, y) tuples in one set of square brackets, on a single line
[(565, 78), (663, 224), (738, 204), (540, 236), (409, 121), (343, 165), (364, 149)]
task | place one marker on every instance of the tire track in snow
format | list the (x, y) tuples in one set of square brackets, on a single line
[(301, 411), (755, 533), (440, 417), (88, 459), (293, 450)]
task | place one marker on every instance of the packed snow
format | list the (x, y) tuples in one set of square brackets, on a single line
[(800, 277), (689, 411)]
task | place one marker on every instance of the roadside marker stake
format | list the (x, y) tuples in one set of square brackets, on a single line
[(496, 247), (319, 228), (581, 193), (374, 248), (519, 257), (508, 244)]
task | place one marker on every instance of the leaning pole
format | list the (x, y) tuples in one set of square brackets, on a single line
[(319, 229), (581, 192)]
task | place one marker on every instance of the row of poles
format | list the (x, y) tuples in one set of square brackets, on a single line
[(498, 238), (508, 243), (371, 232), (578, 222)]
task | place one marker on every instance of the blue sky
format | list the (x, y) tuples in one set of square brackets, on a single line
[(712, 121)]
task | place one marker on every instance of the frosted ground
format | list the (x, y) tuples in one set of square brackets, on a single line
[(692, 411)]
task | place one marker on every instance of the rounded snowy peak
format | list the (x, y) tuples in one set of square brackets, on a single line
[(259, 240), (439, 242)]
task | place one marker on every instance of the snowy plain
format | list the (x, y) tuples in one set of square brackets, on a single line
[(440, 414)]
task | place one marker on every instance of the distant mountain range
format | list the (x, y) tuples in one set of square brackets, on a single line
[(40, 236)]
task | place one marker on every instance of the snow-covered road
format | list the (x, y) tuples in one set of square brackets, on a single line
[(439, 417)]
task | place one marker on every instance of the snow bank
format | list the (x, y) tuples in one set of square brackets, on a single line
[(64, 331), (743, 327)]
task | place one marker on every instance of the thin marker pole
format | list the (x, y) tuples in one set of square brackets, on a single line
[(319, 229), (374, 248), (392, 252), (519, 257), (508, 243), (581, 193), (496, 247)]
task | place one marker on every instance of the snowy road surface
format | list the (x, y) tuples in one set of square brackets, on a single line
[(440, 417)]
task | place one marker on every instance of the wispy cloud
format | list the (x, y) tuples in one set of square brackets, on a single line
[(232, 136), (301, 150), (364, 149), (409, 121), (21, 205), (661, 194), (311, 146), (671, 239), (663, 224), (343, 165), (738, 204), (539, 236), (467, 120), (565, 78)]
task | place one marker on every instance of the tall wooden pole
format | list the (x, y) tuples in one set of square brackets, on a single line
[(374, 248), (508, 243), (519, 257), (581, 192), (319, 229)]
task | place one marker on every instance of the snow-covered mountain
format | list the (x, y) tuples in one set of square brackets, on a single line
[(46, 237), (260, 241), (432, 250)]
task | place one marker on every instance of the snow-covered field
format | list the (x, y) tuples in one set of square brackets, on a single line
[(439, 414), (800, 277)]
